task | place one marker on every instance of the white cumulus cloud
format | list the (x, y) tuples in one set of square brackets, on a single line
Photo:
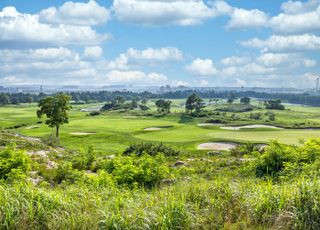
[(19, 29), (76, 13), (293, 43), (93, 52), (202, 67), (135, 77), (164, 12)]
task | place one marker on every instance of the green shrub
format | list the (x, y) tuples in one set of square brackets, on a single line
[(65, 172), (14, 163), (144, 170), (236, 108), (94, 113), (244, 149), (84, 160), (150, 149), (285, 161)]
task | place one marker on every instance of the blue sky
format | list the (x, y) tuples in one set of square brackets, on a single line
[(156, 42)]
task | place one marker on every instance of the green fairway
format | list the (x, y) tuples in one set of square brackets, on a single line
[(112, 132)]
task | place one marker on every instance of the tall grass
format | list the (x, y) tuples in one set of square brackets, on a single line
[(197, 204)]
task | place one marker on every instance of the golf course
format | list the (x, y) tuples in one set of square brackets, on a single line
[(114, 131)]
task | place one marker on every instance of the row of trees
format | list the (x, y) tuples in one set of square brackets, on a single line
[(102, 96), (120, 102)]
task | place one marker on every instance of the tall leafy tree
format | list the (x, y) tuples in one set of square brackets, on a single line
[(163, 105), (55, 108), (194, 103), (4, 99), (245, 100)]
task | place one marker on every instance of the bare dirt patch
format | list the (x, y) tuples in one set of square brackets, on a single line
[(40, 153), (217, 146)]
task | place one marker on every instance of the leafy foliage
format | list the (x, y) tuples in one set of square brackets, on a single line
[(14, 164), (274, 104), (144, 170), (150, 149), (163, 105), (194, 103), (55, 108), (245, 100), (280, 160)]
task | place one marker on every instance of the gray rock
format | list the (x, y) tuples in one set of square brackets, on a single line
[(169, 181), (180, 163)]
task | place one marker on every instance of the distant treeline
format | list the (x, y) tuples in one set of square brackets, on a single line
[(103, 96)]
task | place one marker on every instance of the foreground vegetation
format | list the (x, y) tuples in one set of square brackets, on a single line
[(138, 189)]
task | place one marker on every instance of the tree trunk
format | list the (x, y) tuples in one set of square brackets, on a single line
[(57, 131)]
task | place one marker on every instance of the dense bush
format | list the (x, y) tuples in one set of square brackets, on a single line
[(64, 173), (14, 163), (94, 113), (281, 160), (150, 149), (236, 108), (143, 170), (84, 160), (244, 149), (274, 104), (256, 116)]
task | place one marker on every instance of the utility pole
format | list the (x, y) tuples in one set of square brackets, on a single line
[(317, 86)]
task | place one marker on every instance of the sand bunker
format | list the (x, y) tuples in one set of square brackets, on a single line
[(91, 109), (250, 127), (81, 134), (129, 116), (206, 125), (152, 129), (217, 146), (155, 128)]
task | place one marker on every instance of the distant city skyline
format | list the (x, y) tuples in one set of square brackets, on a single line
[(160, 42)]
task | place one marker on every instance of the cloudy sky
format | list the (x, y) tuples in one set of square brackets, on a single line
[(155, 42)]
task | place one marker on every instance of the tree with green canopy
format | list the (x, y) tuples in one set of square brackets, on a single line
[(4, 99), (194, 102), (55, 108)]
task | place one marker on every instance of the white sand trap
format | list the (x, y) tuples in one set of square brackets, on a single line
[(128, 116), (152, 129), (250, 127), (81, 134), (206, 125), (217, 146), (157, 128)]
